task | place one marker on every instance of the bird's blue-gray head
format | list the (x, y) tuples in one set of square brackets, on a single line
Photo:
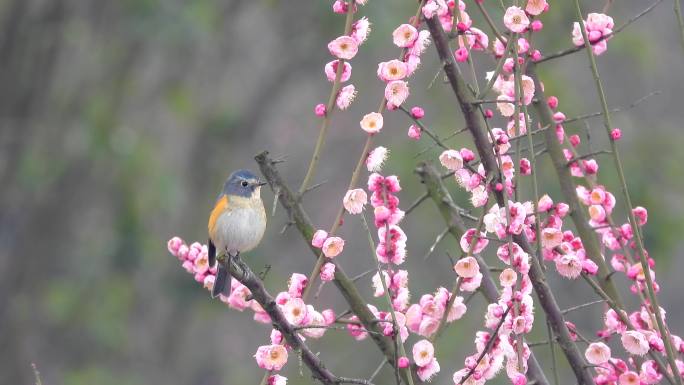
[(242, 183)]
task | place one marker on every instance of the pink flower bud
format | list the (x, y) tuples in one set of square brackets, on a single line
[(277, 379), (489, 113), (575, 140), (328, 316), (562, 209), (537, 25), (461, 54), (276, 337), (615, 134), (525, 166), (403, 362), (467, 155), (641, 215), (508, 65), (591, 166), (417, 112), (559, 117), (318, 238), (536, 55), (174, 244), (327, 272), (414, 132), (320, 109), (560, 133), (552, 101), (589, 267), (340, 7)]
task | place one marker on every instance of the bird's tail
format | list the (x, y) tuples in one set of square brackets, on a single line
[(222, 282)]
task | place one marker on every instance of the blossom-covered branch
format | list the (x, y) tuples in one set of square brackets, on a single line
[(475, 123), (246, 276)]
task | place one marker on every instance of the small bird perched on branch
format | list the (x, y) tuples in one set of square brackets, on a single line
[(236, 224)]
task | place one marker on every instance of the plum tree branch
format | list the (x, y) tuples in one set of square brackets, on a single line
[(475, 123), (345, 285), (246, 276), (568, 188), (441, 197)]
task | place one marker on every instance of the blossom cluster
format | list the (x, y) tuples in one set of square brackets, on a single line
[(598, 27), (344, 48), (272, 357), (391, 246)]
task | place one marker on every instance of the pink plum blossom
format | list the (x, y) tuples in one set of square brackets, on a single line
[(354, 200), (372, 123), (343, 47), (516, 20), (404, 35), (271, 357), (333, 246)]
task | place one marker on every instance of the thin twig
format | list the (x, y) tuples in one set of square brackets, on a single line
[(582, 306), (439, 238), (424, 128), (617, 109), (315, 158), (680, 20), (378, 369), (416, 203), (364, 274), (489, 345)]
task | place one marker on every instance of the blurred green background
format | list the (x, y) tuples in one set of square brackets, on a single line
[(119, 121)]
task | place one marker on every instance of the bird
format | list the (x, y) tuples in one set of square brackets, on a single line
[(236, 223)]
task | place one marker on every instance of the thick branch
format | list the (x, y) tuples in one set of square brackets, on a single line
[(345, 285), (577, 214), (476, 126), (438, 193)]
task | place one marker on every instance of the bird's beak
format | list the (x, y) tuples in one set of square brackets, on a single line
[(262, 184)]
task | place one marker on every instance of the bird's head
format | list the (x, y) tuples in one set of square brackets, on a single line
[(243, 183)]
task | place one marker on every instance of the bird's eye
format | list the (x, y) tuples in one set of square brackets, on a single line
[(244, 183)]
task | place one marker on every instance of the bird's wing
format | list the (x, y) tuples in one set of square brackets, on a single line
[(220, 206)]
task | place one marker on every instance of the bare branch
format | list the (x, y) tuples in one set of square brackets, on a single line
[(617, 109), (582, 306)]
